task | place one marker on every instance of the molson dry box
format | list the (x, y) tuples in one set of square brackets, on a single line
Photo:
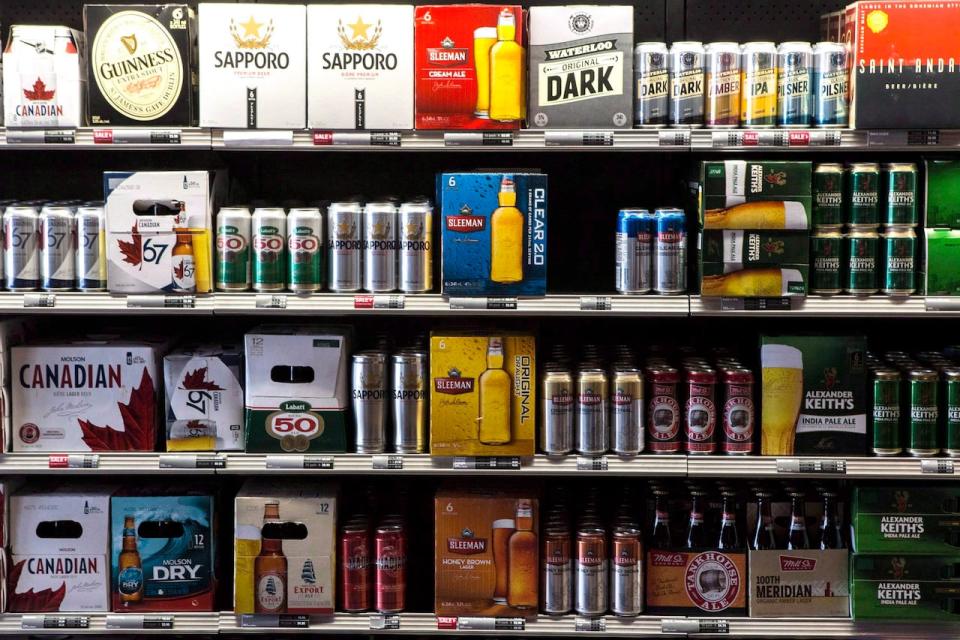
[(906, 519), (43, 84)]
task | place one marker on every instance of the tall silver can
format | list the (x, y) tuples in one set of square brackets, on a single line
[(91, 248), (344, 228), (58, 248), (380, 247), (408, 401), (592, 434), (415, 247), (626, 412), (21, 230), (556, 419), (370, 401)]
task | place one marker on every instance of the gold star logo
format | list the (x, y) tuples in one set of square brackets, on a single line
[(360, 28), (251, 28)]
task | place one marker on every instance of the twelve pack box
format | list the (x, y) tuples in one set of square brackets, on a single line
[(898, 586), (43, 77), (906, 519), (943, 262), (942, 198), (761, 194)]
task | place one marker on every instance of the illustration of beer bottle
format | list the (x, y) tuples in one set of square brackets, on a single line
[(184, 263), (506, 235), (522, 591), (270, 567), (495, 387), (129, 568)]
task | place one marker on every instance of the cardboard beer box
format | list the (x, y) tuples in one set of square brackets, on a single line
[(906, 519), (297, 388), (162, 551), (160, 230), (942, 262), (43, 81), (494, 233), (719, 280), (360, 66), (253, 66), (8, 487), (482, 395), (813, 395), (204, 397), (741, 194), (285, 548), (942, 199), (86, 395), (905, 587), (470, 66), (699, 583), (754, 262), (141, 64), (60, 550), (801, 583), (487, 553)]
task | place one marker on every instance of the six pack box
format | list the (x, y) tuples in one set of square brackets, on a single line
[(906, 519), (699, 583), (43, 77)]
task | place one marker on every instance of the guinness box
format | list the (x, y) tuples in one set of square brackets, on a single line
[(899, 586), (906, 519), (140, 64)]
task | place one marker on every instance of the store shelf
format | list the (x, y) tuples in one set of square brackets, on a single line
[(821, 306), (101, 302), (825, 140), (107, 138), (826, 466), (61, 624), (836, 628), (54, 464)]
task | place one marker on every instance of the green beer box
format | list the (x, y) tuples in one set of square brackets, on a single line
[(942, 194), (906, 519), (748, 247), (742, 194), (720, 280), (943, 262), (903, 586)]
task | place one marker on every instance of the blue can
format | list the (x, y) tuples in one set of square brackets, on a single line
[(670, 252), (831, 81), (635, 229)]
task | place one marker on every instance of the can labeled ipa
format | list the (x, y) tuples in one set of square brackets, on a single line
[(663, 410), (951, 380), (924, 413), (652, 71), (723, 85), (831, 82), (794, 84), (861, 249), (269, 240), (900, 195), (828, 195), (233, 249), (863, 195), (885, 413), (344, 227), (826, 251), (91, 248), (686, 84), (899, 261), (556, 419), (21, 233), (305, 249), (758, 85)]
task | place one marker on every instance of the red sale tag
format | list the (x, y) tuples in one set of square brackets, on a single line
[(446, 622), (322, 138), (799, 138), (103, 136), (58, 462), (363, 302)]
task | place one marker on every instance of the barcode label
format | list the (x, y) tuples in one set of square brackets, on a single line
[(270, 302), (595, 303), (811, 465), (586, 463), (33, 300), (936, 466), (589, 624), (32, 622), (131, 622), (466, 463), (387, 462), (74, 461)]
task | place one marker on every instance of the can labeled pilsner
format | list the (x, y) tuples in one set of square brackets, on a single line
[(233, 249), (885, 413), (652, 73), (828, 195), (899, 261), (924, 413), (758, 85), (794, 84), (900, 194), (723, 85), (826, 256), (269, 241), (686, 84), (861, 250), (831, 81), (305, 249)]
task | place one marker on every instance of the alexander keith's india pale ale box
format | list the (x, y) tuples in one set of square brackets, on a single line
[(43, 77), (899, 586), (907, 518)]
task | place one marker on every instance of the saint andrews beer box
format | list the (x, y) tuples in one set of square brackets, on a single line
[(162, 551), (297, 388), (696, 583), (581, 67), (906, 519), (898, 586), (141, 68), (43, 77), (360, 66), (60, 550)]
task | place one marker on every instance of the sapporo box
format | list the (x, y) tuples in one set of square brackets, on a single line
[(43, 84)]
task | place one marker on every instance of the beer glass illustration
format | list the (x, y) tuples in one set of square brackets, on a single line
[(483, 40), (781, 396), (502, 530)]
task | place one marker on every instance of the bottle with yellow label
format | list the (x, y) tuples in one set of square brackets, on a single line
[(761, 214), (506, 71), (506, 236), (495, 397)]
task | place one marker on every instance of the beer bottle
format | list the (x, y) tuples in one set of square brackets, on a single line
[(696, 531), (729, 539), (763, 534), (523, 568), (129, 567), (184, 264), (661, 521), (270, 567), (798, 538), (831, 537)]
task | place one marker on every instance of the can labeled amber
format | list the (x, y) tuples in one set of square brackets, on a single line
[(722, 108)]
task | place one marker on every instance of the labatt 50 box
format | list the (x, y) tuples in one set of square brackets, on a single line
[(297, 388), (906, 519), (494, 233), (43, 81), (285, 548), (162, 551), (482, 394), (903, 586), (581, 67), (360, 66), (700, 583)]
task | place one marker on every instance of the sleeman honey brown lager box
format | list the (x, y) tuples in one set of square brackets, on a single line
[(903, 586), (906, 518)]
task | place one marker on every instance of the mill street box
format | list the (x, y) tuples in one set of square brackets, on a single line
[(800, 583), (696, 583)]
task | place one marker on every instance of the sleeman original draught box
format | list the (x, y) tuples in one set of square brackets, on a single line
[(905, 587), (297, 388), (581, 67), (494, 233), (43, 78), (943, 262), (285, 547), (482, 394), (741, 194), (906, 519), (701, 583), (813, 395)]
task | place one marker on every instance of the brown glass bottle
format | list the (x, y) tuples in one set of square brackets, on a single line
[(523, 591), (696, 529), (661, 521), (798, 537), (763, 535), (831, 535), (729, 539), (129, 567), (270, 567)]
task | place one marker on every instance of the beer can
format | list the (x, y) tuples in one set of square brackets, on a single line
[(626, 412), (951, 379), (408, 389), (369, 401), (21, 233), (738, 411), (900, 194), (924, 413), (556, 420), (233, 249), (831, 80), (700, 412), (723, 84), (828, 195), (415, 247), (861, 249), (794, 84), (344, 228), (380, 247), (663, 410), (686, 84), (590, 575), (269, 240), (557, 574), (826, 249), (634, 250), (626, 573), (652, 74), (91, 248), (592, 431), (899, 261), (58, 248), (390, 572), (758, 85), (863, 195), (885, 413), (670, 252), (355, 567), (304, 249)]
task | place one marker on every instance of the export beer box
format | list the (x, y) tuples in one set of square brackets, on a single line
[(942, 194), (360, 66), (906, 519), (740, 194), (87, 395), (204, 398), (699, 583), (43, 85), (297, 389), (905, 587), (285, 547), (162, 551), (469, 66), (482, 398), (725, 280), (943, 262), (487, 553), (799, 583), (60, 550), (494, 233), (253, 66), (581, 67), (141, 67)]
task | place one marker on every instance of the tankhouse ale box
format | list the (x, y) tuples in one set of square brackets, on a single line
[(699, 583), (581, 67), (43, 77), (360, 66)]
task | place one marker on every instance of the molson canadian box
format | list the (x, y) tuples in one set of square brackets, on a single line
[(943, 262), (60, 550), (482, 394), (487, 561), (813, 395), (905, 587), (204, 398), (7, 488), (469, 66), (297, 388), (43, 82), (285, 548), (701, 583), (360, 66), (141, 64), (494, 233), (253, 66), (162, 551), (906, 519), (581, 67), (89, 395)]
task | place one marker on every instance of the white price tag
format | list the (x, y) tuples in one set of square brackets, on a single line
[(379, 621), (42, 136), (687, 626), (254, 138), (270, 301), (192, 461), (387, 462), (73, 461), (560, 138), (34, 300), (284, 621), (135, 622), (936, 465), (468, 463), (595, 303), (674, 137), (46, 621), (581, 623), (478, 139), (812, 466), (161, 302), (490, 624), (586, 463), (483, 303)]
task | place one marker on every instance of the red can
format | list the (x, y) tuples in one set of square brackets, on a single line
[(355, 567), (700, 412), (738, 412), (391, 572), (663, 410)]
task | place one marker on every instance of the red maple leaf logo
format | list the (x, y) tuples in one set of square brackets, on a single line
[(32, 601), (198, 380), (139, 423), (132, 251), (178, 270), (39, 91)]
